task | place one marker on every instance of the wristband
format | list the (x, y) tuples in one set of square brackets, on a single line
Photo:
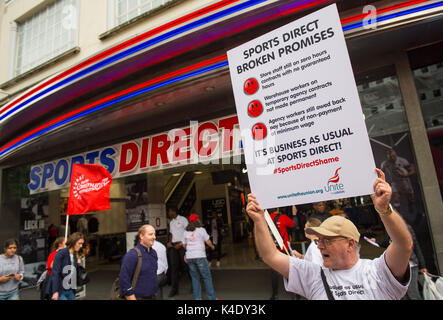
[(388, 212)]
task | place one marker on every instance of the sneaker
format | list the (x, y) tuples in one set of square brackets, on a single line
[(218, 263)]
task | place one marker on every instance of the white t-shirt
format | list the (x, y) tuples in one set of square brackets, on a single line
[(195, 243), (177, 228), (313, 254), (162, 262), (366, 280)]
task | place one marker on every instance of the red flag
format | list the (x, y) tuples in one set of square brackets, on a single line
[(90, 184)]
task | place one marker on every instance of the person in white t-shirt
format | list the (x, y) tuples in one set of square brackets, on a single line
[(176, 251), (195, 238), (162, 267), (313, 254), (343, 276)]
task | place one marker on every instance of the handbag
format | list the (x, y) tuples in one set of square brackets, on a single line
[(82, 276), (432, 290)]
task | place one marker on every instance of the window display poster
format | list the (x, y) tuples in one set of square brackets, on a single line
[(302, 126), (136, 205), (33, 229), (139, 212), (33, 237)]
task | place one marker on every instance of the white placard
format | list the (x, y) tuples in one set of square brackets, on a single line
[(302, 125)]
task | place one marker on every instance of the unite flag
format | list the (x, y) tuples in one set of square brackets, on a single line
[(89, 191)]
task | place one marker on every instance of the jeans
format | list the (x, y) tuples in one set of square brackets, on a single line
[(197, 267), (11, 296), (67, 295)]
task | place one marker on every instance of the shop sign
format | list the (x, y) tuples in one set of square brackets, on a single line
[(204, 143)]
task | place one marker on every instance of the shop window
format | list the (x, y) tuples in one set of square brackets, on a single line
[(382, 105), (393, 153), (46, 35), (126, 10), (25, 218), (429, 84)]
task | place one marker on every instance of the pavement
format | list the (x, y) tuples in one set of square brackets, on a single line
[(244, 284), (240, 277)]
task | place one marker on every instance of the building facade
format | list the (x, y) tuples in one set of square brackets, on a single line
[(143, 88)]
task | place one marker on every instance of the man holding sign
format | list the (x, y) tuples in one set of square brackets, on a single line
[(343, 275)]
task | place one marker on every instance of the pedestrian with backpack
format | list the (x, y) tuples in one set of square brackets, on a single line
[(138, 273)]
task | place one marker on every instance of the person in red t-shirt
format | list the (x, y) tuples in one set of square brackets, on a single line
[(283, 222), (59, 243)]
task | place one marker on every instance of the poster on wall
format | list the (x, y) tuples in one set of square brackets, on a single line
[(136, 205), (33, 246), (136, 217), (140, 212), (301, 121)]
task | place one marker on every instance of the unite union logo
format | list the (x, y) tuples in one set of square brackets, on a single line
[(334, 186), (335, 178)]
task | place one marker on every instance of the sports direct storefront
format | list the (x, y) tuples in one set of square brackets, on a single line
[(161, 118), (144, 171), (206, 142)]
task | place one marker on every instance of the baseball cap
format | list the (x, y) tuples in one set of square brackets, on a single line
[(336, 226), (193, 217)]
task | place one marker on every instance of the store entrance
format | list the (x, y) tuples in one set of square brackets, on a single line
[(220, 190)]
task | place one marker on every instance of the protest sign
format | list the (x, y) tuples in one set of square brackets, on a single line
[(302, 125)]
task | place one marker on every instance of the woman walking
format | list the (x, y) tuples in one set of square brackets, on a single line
[(61, 284), (194, 243), (12, 269), (58, 244)]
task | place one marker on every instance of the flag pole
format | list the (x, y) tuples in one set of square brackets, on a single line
[(66, 229)]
